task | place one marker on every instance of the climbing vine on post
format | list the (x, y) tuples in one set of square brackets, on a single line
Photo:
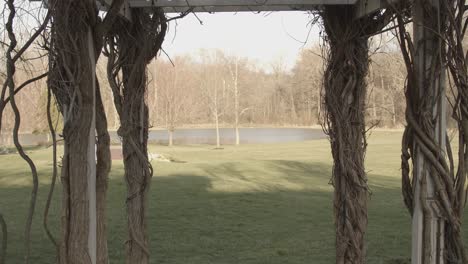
[(344, 86), (131, 45), (434, 192), (457, 64), (76, 41)]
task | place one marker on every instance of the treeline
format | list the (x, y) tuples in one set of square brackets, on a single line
[(212, 87)]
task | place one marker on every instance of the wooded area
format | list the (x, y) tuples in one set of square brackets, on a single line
[(183, 93), (215, 88)]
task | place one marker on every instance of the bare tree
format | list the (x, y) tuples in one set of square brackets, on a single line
[(306, 79), (266, 97), (284, 88), (386, 95), (233, 64), (235, 84), (173, 86), (213, 84)]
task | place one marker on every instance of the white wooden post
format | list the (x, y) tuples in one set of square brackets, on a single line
[(91, 171), (428, 225)]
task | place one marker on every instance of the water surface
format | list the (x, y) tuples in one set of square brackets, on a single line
[(203, 136)]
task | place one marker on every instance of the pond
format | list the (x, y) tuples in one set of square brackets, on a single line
[(203, 136), (228, 136)]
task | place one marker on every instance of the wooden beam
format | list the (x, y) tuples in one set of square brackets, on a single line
[(213, 6), (91, 172), (234, 3), (366, 7), (224, 9), (428, 225)]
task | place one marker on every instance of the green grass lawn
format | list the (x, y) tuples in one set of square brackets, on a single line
[(248, 204)]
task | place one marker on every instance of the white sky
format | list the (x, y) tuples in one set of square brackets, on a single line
[(264, 37)]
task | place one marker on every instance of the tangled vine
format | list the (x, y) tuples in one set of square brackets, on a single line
[(456, 61), (347, 63), (131, 45), (76, 42), (424, 141), (13, 54)]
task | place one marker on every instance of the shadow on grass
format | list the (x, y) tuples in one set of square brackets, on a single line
[(191, 222)]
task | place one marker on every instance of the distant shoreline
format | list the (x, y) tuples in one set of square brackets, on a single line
[(227, 126), (208, 126)]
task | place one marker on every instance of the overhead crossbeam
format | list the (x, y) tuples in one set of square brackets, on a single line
[(363, 7), (214, 6)]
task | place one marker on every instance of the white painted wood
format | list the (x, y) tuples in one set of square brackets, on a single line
[(124, 10), (443, 142), (91, 170), (214, 6), (225, 9), (365, 7), (425, 49), (220, 3), (417, 220)]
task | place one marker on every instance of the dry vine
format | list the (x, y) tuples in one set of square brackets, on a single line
[(131, 45), (347, 63), (456, 59), (18, 56), (457, 65), (443, 30), (12, 56), (54, 168), (69, 80), (76, 42)]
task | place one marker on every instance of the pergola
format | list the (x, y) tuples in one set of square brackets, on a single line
[(216, 6), (361, 8)]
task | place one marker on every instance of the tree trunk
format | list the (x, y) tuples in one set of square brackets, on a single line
[(236, 102), (215, 111), (155, 102), (236, 118), (345, 95), (218, 142), (394, 120), (171, 137), (293, 106), (374, 105), (319, 106)]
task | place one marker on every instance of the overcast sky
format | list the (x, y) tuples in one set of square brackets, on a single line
[(263, 37)]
